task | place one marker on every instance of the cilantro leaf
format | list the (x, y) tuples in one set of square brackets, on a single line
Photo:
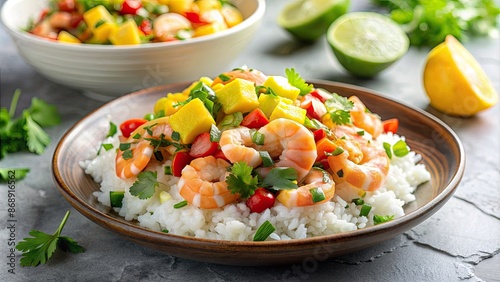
[(338, 109), (281, 178), (39, 248), (43, 113), (17, 173), (296, 80), (241, 181), (37, 139), (145, 185)]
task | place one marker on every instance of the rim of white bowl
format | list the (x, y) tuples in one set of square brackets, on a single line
[(257, 15)]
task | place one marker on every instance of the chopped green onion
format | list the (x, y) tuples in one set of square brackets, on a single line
[(136, 136), (340, 173), (224, 77), (176, 136), (264, 231), (361, 132), (168, 170), (358, 201), (400, 148), (365, 209), (335, 152), (99, 23), (317, 194), (124, 146), (214, 134), (158, 156), (127, 154), (149, 116), (116, 198), (180, 204), (231, 121), (258, 138), (377, 219), (267, 161), (112, 130), (165, 231), (387, 148)]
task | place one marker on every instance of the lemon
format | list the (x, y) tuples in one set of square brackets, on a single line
[(365, 43), (455, 82), (308, 20)]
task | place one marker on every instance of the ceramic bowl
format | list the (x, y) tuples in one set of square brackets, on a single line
[(106, 71), (440, 148)]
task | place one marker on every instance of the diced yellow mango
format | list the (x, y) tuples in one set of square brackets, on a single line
[(126, 34), (96, 16), (191, 120), (209, 29), (282, 87), (164, 197), (231, 15), (207, 5), (238, 96), (179, 6), (268, 102), (101, 33), (288, 111), (166, 104), (67, 37)]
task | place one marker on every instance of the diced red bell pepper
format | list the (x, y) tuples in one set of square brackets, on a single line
[(128, 126), (321, 95), (146, 27), (202, 146), (255, 119), (319, 134), (194, 18), (130, 7), (391, 125), (314, 107), (179, 162), (66, 5)]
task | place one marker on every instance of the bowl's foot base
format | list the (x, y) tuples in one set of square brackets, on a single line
[(97, 96)]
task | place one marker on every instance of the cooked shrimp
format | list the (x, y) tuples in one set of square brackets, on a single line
[(292, 142), (364, 119), (132, 166), (167, 26), (44, 29), (203, 183), (60, 20), (302, 196), (141, 149), (252, 75), (354, 178), (236, 144)]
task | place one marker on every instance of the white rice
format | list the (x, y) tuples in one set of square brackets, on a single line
[(236, 222)]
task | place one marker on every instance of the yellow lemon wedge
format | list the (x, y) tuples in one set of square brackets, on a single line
[(455, 82)]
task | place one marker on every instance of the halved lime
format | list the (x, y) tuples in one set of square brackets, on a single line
[(366, 43), (308, 20)]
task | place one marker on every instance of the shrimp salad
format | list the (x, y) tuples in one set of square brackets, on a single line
[(246, 156)]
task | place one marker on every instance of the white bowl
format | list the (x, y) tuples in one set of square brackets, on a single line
[(109, 71)]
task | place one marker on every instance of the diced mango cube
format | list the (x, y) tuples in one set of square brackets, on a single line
[(126, 34), (282, 87), (209, 29), (101, 33), (191, 120), (207, 5), (166, 104), (288, 111), (179, 6), (231, 15), (268, 102), (164, 197), (97, 16), (67, 37), (238, 96)]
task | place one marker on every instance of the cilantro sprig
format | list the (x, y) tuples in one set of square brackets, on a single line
[(241, 181), (145, 185), (25, 132), (338, 109), (40, 248), (296, 80)]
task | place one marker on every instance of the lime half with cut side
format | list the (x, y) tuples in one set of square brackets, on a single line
[(308, 20), (365, 43)]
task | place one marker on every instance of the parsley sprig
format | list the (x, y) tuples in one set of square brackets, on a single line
[(241, 180), (39, 248)]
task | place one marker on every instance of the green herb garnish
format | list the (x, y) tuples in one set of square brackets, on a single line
[(180, 204), (116, 198), (281, 178), (145, 185), (264, 231), (241, 181), (338, 109), (296, 80), (377, 219), (317, 194)]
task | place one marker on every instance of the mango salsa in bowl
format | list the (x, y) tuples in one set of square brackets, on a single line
[(105, 70)]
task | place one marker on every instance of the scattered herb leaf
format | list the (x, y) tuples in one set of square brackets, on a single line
[(145, 185), (264, 231), (281, 178), (241, 180)]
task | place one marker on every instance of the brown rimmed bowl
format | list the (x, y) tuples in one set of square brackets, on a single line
[(442, 152)]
